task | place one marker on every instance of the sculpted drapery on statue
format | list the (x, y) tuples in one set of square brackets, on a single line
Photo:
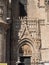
[(25, 50)]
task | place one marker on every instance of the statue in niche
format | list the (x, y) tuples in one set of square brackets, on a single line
[(25, 50)]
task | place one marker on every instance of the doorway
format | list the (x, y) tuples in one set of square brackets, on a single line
[(25, 60), (25, 53), (21, 64)]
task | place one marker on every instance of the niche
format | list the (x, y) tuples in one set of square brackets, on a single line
[(22, 8)]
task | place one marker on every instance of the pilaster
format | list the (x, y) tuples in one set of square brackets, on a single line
[(3, 27)]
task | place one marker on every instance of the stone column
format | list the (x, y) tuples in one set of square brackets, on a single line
[(2, 45), (38, 44), (3, 28)]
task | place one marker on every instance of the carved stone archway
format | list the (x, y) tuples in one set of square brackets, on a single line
[(25, 50), (27, 42)]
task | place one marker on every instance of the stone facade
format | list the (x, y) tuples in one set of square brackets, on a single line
[(24, 32)]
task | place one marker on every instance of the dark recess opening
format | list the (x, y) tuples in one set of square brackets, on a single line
[(22, 10), (21, 64)]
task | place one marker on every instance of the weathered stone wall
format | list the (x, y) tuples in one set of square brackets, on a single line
[(2, 45), (37, 11)]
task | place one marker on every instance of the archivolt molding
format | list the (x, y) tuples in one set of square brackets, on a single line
[(22, 42), (35, 44), (31, 44), (25, 40)]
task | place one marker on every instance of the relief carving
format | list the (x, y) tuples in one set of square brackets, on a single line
[(38, 45), (25, 50), (41, 3)]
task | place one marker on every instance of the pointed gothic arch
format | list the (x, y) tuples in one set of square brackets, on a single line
[(25, 43)]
